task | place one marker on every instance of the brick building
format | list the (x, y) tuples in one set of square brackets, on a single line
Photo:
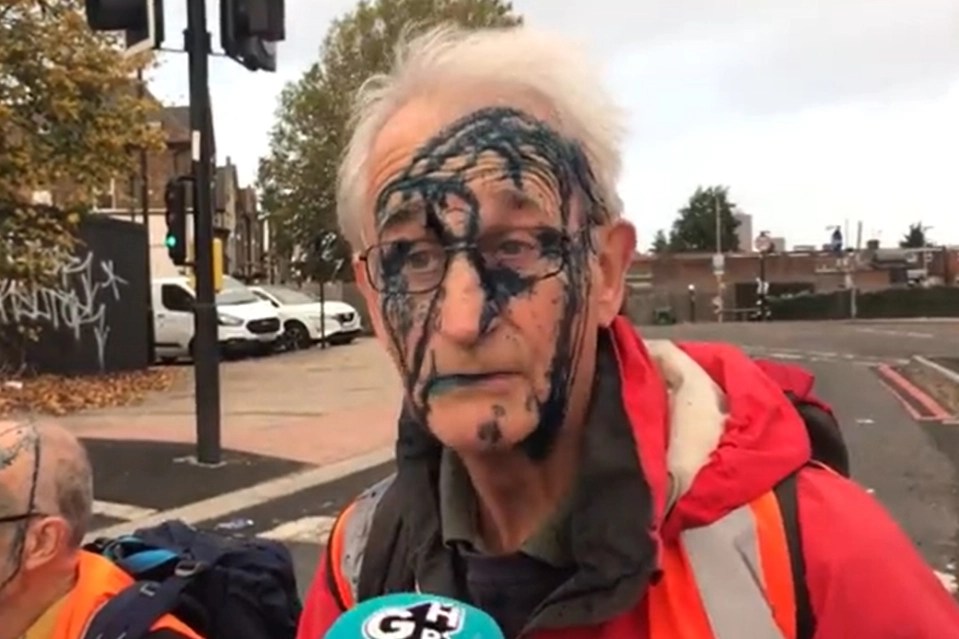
[(249, 237), (686, 284)]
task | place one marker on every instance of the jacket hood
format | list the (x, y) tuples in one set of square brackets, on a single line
[(732, 432)]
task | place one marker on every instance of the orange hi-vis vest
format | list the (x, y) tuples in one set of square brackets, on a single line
[(99, 580), (731, 579)]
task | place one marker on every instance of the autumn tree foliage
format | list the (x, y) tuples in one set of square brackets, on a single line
[(297, 177), (70, 118)]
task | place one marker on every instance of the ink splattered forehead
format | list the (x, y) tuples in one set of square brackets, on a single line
[(512, 157)]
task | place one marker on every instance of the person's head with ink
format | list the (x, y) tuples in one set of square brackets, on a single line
[(491, 246)]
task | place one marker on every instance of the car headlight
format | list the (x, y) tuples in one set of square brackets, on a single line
[(228, 320)]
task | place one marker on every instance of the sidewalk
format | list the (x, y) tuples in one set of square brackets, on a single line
[(314, 407), (280, 415)]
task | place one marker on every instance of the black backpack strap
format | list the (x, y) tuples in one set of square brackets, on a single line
[(786, 494), (133, 612)]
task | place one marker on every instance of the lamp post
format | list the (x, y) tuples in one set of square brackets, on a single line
[(764, 245), (719, 265)]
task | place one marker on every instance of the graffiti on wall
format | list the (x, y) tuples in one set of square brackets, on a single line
[(78, 300)]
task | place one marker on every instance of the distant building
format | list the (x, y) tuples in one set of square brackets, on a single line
[(745, 232), (779, 244)]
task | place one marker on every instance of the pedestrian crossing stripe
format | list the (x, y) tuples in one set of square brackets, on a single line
[(309, 530), (123, 512)]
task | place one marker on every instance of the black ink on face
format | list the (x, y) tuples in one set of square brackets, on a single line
[(440, 178), (25, 443)]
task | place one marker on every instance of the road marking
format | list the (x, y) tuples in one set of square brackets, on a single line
[(948, 373), (880, 331), (948, 581), (309, 530), (903, 385), (222, 505), (127, 512)]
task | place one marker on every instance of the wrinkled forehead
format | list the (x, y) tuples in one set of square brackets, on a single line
[(444, 151)]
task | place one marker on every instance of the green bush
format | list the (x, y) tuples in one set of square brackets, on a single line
[(940, 301)]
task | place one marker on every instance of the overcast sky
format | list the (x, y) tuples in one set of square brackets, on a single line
[(813, 112)]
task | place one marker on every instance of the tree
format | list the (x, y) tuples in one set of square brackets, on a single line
[(694, 230), (916, 237), (297, 178), (70, 116), (660, 242)]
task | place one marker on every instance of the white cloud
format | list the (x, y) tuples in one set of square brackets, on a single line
[(811, 111)]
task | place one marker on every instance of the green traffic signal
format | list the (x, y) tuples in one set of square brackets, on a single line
[(171, 241)]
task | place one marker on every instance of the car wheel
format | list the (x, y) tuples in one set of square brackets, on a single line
[(296, 336)]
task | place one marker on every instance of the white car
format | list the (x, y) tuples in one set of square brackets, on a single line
[(301, 316), (245, 323)]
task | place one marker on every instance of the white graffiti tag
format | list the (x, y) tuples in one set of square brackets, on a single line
[(78, 300)]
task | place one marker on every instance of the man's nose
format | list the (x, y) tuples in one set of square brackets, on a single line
[(464, 303)]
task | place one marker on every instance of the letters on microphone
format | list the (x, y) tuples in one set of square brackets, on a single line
[(424, 620)]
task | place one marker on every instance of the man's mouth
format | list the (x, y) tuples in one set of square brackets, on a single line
[(446, 383)]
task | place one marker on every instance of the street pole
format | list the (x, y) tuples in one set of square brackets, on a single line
[(205, 353), (762, 286), (145, 209), (719, 253), (719, 225)]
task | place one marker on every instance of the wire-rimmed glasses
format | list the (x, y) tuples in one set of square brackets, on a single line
[(419, 266)]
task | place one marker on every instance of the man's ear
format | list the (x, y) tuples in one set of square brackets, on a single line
[(359, 274), (369, 295), (617, 245), (46, 539)]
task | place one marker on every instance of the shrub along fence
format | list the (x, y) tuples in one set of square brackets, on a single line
[(939, 301)]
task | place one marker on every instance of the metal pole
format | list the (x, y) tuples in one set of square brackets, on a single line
[(719, 224), (145, 209), (322, 314), (762, 286), (205, 353), (719, 251)]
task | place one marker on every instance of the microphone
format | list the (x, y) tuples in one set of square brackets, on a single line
[(414, 616)]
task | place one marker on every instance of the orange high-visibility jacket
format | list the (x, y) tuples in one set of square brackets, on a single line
[(99, 580)]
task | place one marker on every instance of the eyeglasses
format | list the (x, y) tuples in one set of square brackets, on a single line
[(12, 519), (419, 266)]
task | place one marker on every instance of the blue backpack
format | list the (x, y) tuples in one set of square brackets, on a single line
[(222, 587)]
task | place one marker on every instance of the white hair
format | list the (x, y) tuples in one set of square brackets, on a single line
[(543, 65)]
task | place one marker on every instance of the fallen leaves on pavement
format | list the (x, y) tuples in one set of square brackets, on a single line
[(58, 395)]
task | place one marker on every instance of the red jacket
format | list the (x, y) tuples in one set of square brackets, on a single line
[(864, 575)]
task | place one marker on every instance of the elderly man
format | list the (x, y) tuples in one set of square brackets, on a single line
[(49, 587), (554, 469)]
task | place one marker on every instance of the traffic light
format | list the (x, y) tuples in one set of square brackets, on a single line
[(218, 258), (142, 20), (175, 196), (249, 31)]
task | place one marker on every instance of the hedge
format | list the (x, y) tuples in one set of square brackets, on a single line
[(939, 301)]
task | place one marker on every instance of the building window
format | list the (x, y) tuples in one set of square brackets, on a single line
[(105, 199)]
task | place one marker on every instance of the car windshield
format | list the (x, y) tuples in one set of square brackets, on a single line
[(288, 296), (235, 292)]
